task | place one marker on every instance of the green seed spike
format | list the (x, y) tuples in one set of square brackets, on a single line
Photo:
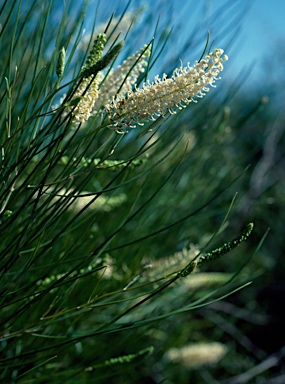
[(188, 269), (227, 247), (60, 63), (129, 358), (101, 64), (96, 52), (7, 213)]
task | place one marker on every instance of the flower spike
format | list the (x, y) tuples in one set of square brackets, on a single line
[(165, 94), (88, 87)]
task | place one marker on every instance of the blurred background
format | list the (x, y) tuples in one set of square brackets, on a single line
[(252, 97), (232, 172)]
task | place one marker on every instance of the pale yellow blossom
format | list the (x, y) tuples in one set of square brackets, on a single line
[(88, 91), (166, 94), (121, 80), (197, 355)]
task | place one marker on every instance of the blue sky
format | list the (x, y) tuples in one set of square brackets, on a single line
[(262, 29)]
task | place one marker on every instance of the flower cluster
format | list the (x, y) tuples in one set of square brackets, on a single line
[(88, 87), (127, 105), (166, 94), (170, 264), (195, 356), (88, 91), (84, 200), (121, 81)]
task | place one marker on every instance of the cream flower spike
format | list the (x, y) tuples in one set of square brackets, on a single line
[(166, 94), (88, 88), (121, 80)]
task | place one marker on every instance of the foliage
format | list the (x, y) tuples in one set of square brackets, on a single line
[(106, 232)]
